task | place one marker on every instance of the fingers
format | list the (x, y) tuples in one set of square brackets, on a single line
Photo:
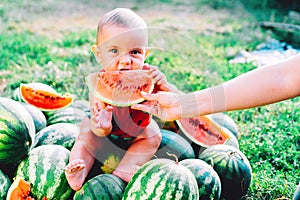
[(149, 67), (141, 107), (152, 109), (149, 97)]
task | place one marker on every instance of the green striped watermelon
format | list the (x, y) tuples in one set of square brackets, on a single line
[(83, 105), (4, 184), (67, 115), (173, 143), (162, 179), (16, 95), (232, 167), (103, 186), (209, 183), (17, 131), (63, 134), (37, 115), (44, 170)]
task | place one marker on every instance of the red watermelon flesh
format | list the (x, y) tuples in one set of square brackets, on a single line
[(204, 131), (120, 88)]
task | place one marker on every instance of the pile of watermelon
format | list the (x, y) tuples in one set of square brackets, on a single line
[(199, 158)]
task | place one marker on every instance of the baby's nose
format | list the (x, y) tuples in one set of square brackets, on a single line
[(124, 62)]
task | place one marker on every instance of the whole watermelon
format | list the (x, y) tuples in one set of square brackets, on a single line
[(208, 180), (173, 143), (65, 115), (233, 168), (44, 170), (103, 186), (4, 184), (17, 131), (38, 116), (63, 134), (162, 179)]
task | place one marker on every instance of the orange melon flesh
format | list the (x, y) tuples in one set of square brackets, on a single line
[(44, 99), (120, 88), (20, 189), (203, 131)]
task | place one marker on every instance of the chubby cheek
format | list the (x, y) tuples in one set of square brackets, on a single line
[(138, 64), (110, 65)]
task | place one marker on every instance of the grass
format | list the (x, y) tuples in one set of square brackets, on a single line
[(200, 57)]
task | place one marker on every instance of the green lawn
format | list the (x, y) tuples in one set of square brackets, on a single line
[(192, 42)]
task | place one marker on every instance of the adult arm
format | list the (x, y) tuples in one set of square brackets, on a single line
[(258, 87)]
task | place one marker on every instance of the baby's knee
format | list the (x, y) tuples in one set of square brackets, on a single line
[(156, 139)]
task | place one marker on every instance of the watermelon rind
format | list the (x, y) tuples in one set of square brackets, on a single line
[(44, 170), (17, 131), (91, 81), (103, 186), (226, 121)]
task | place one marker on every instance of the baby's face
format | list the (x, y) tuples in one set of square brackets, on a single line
[(122, 48)]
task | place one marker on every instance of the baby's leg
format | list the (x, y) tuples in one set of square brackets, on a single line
[(81, 156), (140, 152)]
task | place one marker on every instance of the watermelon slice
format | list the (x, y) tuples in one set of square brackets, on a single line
[(20, 189), (204, 131), (44, 96), (120, 88)]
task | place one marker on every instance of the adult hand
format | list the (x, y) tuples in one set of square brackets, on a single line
[(165, 105)]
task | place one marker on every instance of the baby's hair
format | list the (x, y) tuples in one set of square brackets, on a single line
[(122, 17)]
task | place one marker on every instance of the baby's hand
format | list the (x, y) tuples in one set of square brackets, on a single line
[(158, 77), (102, 116)]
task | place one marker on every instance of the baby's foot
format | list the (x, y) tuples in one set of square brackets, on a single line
[(75, 173)]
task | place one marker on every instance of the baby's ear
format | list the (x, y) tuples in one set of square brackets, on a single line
[(96, 51)]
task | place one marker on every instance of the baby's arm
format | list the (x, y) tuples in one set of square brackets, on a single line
[(140, 152), (101, 116)]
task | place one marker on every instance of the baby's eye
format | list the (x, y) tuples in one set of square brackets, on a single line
[(135, 51), (114, 51)]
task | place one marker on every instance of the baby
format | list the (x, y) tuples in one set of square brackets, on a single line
[(121, 44)]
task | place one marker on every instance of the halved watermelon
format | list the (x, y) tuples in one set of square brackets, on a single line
[(44, 96), (19, 189), (120, 88), (204, 131)]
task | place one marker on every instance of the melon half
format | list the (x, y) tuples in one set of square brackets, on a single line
[(44, 96), (204, 131), (120, 88)]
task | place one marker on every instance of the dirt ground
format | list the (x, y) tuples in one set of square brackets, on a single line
[(54, 19)]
